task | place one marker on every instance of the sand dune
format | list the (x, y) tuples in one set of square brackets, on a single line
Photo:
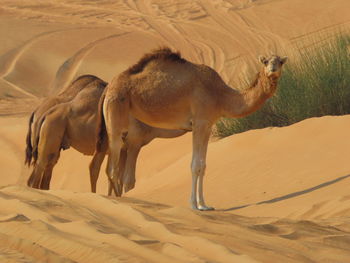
[(61, 226), (281, 193), (246, 172)]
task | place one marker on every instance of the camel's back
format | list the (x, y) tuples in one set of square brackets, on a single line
[(168, 82), (87, 99), (76, 86), (65, 95), (165, 74)]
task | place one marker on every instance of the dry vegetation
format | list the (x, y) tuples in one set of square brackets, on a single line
[(318, 84)]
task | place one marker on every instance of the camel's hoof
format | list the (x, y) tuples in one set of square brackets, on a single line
[(206, 208), (194, 206)]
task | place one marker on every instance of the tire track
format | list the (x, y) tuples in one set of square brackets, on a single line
[(250, 37), (168, 31), (16, 88), (69, 68), (9, 60)]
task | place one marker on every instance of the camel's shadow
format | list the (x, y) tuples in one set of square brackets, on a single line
[(288, 196)]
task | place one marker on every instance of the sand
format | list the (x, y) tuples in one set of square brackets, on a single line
[(281, 194)]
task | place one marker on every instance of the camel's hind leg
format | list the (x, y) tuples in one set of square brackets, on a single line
[(46, 178), (116, 113), (41, 175), (201, 134), (35, 177), (50, 140)]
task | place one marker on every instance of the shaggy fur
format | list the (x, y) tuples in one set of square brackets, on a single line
[(163, 53)]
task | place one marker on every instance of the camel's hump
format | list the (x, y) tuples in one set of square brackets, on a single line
[(164, 53)]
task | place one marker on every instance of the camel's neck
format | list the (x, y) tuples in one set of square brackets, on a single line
[(240, 104)]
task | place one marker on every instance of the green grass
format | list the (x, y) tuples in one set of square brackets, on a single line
[(317, 84)]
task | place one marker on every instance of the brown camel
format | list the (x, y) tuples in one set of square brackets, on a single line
[(164, 90), (73, 123), (67, 94)]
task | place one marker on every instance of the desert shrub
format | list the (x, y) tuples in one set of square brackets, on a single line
[(316, 84)]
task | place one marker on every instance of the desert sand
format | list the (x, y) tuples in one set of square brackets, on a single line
[(281, 194)]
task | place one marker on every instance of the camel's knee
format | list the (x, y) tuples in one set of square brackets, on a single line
[(52, 159), (198, 167)]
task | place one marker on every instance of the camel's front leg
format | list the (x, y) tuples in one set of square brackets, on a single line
[(201, 203), (201, 134)]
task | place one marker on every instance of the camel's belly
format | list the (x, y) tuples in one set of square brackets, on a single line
[(166, 117), (82, 136), (83, 147)]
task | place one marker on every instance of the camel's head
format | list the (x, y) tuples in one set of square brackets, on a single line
[(273, 65)]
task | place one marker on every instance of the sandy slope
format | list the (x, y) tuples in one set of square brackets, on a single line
[(281, 194), (299, 171), (59, 226)]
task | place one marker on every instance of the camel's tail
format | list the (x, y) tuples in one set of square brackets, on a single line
[(29, 147), (34, 148), (36, 138), (101, 140)]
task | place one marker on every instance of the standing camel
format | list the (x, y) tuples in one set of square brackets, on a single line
[(164, 90), (67, 94), (73, 123)]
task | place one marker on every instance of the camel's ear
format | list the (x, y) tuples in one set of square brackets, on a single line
[(262, 59), (284, 60)]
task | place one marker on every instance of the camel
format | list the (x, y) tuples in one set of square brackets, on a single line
[(164, 90), (73, 123), (65, 95), (64, 121)]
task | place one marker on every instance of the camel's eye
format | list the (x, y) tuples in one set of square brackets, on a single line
[(266, 62)]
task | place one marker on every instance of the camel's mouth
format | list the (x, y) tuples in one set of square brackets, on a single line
[(273, 74)]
